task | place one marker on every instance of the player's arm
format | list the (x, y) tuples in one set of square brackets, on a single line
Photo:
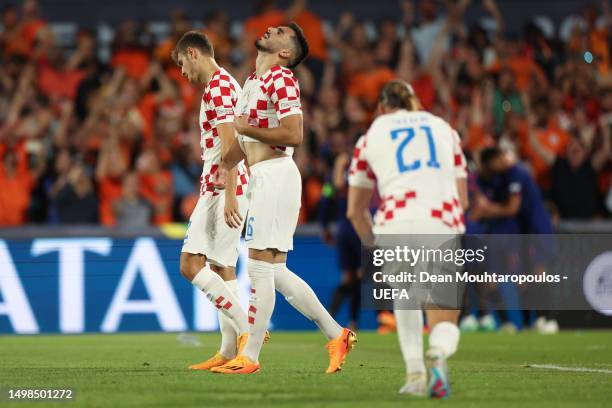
[(232, 211), (462, 188), (460, 171), (361, 186), (289, 133), (488, 209), (359, 214), (284, 94), (232, 156)]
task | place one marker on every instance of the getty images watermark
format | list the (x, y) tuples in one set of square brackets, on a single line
[(533, 272)]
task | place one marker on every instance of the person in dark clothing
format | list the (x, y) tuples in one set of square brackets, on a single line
[(131, 210), (75, 200), (348, 245), (526, 202), (575, 189)]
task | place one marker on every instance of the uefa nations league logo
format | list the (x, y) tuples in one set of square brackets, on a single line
[(597, 283)]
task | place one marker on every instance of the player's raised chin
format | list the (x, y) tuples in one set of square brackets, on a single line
[(276, 41)]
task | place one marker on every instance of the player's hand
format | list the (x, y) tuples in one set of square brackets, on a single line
[(232, 213), (219, 178), (241, 124)]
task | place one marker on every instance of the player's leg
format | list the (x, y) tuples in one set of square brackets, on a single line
[(229, 332), (410, 337), (349, 288), (201, 274), (301, 296), (260, 268), (341, 292), (274, 211), (304, 300), (214, 287), (355, 298), (211, 275), (443, 343), (346, 260)]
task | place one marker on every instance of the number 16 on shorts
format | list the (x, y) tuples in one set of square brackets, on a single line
[(248, 235)]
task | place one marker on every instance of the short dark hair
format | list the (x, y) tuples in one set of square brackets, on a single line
[(300, 44), (489, 154), (194, 39)]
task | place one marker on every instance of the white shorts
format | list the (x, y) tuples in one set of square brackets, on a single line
[(209, 235), (275, 198)]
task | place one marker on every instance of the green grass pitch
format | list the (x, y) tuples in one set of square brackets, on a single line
[(149, 370)]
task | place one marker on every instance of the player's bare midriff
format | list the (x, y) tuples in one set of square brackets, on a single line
[(258, 152)]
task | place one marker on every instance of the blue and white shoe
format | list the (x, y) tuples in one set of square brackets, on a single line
[(439, 382)]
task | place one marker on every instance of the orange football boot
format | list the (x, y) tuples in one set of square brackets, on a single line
[(339, 348), (215, 361), (239, 365)]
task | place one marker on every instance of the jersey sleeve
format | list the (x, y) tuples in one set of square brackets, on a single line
[(515, 186), (223, 98), (360, 174), (459, 157), (284, 92)]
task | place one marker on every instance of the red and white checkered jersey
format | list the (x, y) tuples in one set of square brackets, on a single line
[(218, 106), (269, 98), (414, 158)]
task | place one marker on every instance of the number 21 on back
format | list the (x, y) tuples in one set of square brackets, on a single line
[(406, 135)]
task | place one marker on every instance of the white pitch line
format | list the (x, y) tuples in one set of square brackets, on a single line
[(574, 369)]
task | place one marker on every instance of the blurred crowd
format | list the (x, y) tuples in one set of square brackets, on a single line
[(90, 139)]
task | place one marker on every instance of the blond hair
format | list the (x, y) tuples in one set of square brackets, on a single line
[(397, 94)]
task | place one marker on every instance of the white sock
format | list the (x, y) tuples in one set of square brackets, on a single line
[(229, 333), (261, 305), (410, 335), (221, 296), (302, 297), (444, 339)]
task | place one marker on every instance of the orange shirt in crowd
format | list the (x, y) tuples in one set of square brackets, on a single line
[(601, 50), (163, 52), (157, 189), (598, 46), (59, 84), (552, 138), (16, 44), (313, 30), (147, 108), (255, 26), (423, 87), (478, 138), (189, 92), (109, 190), (15, 190), (523, 68), (31, 29), (221, 43), (367, 85), (133, 60)]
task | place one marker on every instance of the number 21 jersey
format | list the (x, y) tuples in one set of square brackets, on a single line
[(414, 158)]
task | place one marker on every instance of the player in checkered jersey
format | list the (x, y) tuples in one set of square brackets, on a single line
[(271, 126), (210, 250), (415, 160)]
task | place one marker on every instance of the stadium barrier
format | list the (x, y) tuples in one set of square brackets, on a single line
[(84, 279), (91, 279)]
